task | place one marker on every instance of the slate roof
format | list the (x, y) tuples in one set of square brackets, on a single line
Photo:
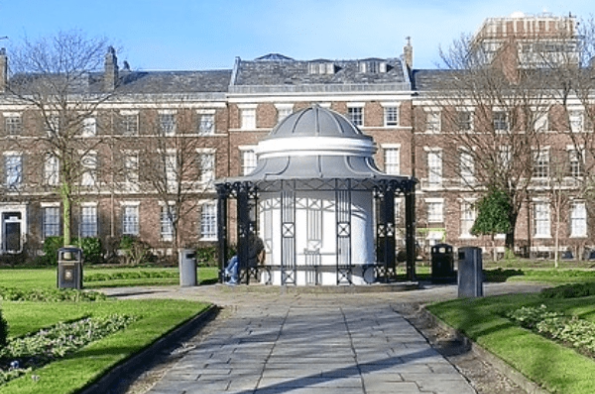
[(275, 69), (175, 81), (425, 80), (139, 82)]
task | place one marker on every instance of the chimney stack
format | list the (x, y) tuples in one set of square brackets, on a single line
[(408, 54), (3, 70), (111, 70)]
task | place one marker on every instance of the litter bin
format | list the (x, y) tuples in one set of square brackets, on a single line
[(187, 265), (442, 263), (70, 268), (470, 274)]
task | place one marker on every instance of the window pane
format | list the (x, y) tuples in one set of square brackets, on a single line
[(13, 171), (168, 216), (356, 115), (88, 221), (578, 220), (392, 161), (130, 220), (208, 221), (391, 116), (13, 125), (51, 222), (206, 125), (248, 161), (167, 124)]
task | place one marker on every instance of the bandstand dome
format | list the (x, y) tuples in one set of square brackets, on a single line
[(316, 143), (323, 209)]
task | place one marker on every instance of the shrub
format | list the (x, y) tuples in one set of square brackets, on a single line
[(91, 247), (135, 250), (207, 255), (3, 330), (50, 249), (573, 290)]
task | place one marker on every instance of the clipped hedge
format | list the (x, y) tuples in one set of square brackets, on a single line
[(574, 290), (101, 277), (49, 295)]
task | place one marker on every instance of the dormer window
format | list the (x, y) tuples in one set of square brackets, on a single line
[(321, 68), (372, 66)]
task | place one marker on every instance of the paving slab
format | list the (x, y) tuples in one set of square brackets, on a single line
[(302, 347)]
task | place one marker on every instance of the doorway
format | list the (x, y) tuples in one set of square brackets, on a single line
[(11, 232)]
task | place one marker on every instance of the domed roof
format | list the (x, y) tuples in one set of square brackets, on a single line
[(316, 121), (316, 143)]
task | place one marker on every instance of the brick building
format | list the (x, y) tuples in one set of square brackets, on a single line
[(213, 120)]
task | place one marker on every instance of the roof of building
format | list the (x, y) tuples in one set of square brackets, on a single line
[(174, 81), (130, 82), (424, 80), (276, 69)]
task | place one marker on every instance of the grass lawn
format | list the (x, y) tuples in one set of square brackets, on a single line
[(67, 375), (557, 368), (44, 278)]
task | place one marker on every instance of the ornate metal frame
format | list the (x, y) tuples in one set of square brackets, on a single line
[(384, 191)]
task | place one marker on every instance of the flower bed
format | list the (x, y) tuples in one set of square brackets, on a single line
[(22, 355)]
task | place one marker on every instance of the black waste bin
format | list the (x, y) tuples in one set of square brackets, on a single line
[(470, 274), (442, 263), (70, 268)]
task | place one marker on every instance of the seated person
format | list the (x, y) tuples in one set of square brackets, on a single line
[(256, 256)]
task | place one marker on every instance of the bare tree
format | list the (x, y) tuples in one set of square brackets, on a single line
[(57, 80), (494, 114), (177, 165)]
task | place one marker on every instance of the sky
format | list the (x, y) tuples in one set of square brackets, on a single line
[(210, 34)]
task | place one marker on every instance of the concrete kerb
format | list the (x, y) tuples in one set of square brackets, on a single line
[(373, 288), (123, 370), (529, 386)]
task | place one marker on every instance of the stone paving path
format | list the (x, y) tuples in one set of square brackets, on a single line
[(349, 346)]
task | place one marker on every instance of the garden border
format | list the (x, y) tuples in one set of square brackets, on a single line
[(137, 361), (518, 378)]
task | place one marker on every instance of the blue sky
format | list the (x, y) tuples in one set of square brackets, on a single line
[(201, 34)]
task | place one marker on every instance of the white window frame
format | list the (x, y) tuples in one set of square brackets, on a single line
[(392, 158), (541, 163), (13, 123), (88, 228), (208, 220), (206, 122), (542, 221), (576, 161), (391, 119), (171, 170), (283, 110), (131, 170), (578, 219), (166, 218), (89, 127), (167, 122), (89, 165), (435, 172), (576, 120), (355, 113), (248, 116), (248, 159), (497, 123), (51, 170), (542, 123), (469, 122), (130, 123), (468, 217), (130, 218), (207, 162), (433, 121), (467, 167), (435, 210), (51, 220), (13, 173)]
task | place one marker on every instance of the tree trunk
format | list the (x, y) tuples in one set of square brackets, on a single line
[(510, 236), (66, 214)]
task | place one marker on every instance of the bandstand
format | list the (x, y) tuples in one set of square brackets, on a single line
[(324, 211)]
